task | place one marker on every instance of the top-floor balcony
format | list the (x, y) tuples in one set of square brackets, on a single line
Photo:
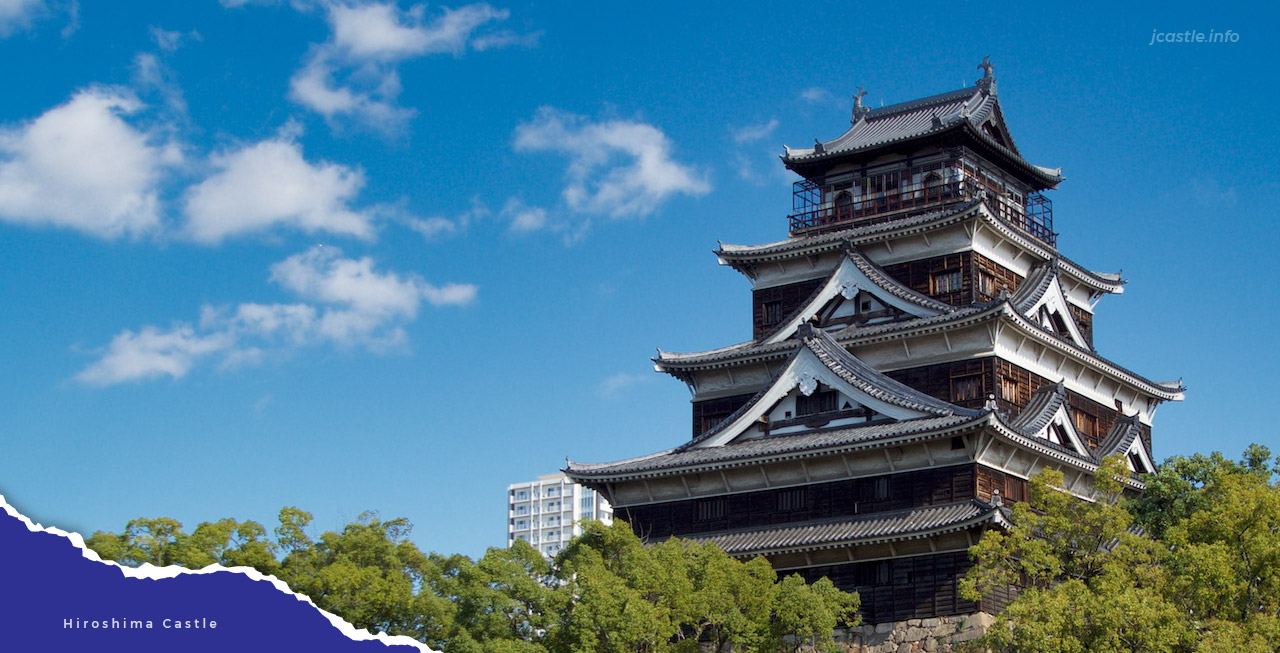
[(898, 193)]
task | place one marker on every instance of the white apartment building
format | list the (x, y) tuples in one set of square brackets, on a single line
[(546, 512)]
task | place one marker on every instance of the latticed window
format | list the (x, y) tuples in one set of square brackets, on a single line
[(1008, 390), (944, 282), (791, 499), (966, 388), (712, 508), (772, 312), (1086, 424)]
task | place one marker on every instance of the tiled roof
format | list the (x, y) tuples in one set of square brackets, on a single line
[(892, 286), (747, 349), (1033, 288), (1120, 438), (919, 522), (743, 451), (738, 255), (1040, 410), (856, 334), (864, 377), (966, 108), (835, 239), (875, 275)]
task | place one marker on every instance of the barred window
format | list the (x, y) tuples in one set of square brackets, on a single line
[(966, 388), (712, 508), (944, 282), (790, 500)]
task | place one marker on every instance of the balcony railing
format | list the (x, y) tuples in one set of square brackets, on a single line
[(1035, 217)]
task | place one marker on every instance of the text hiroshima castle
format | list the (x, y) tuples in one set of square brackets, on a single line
[(920, 349)]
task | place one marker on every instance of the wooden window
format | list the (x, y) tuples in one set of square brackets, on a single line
[(790, 500), (872, 574), (880, 488), (966, 388), (844, 206), (818, 402), (772, 313), (1015, 489), (1008, 389), (944, 282), (1086, 424), (709, 509)]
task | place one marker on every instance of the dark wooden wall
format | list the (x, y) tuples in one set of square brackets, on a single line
[(789, 296), (1013, 388), (709, 412), (820, 500), (907, 588)]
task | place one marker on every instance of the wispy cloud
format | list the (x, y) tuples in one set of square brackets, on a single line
[(82, 166), (753, 133), (1208, 192), (817, 95), (16, 15), (345, 301), (614, 386), (617, 168), (354, 73)]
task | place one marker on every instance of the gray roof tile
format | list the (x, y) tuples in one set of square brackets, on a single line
[(875, 527)]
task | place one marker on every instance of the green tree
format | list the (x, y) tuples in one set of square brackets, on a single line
[(1087, 582), (1202, 573), (606, 592)]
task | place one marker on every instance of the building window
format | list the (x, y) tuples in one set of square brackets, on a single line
[(587, 503), (712, 508), (1008, 390), (987, 285), (772, 312), (522, 510), (966, 388), (844, 206), (1086, 424), (945, 282), (1058, 435), (881, 488), (790, 500), (818, 402)]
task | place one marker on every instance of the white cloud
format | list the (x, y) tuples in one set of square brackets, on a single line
[(613, 386), (82, 166), (169, 40), (270, 184), (383, 31), (752, 133), (433, 227), (618, 168), (151, 353), (523, 218), (816, 95), (346, 302), (354, 73), (17, 14), (504, 39)]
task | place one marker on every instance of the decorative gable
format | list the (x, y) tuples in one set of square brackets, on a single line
[(823, 386), (857, 292)]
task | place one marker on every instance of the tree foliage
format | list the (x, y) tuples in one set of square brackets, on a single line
[(1191, 565), (606, 592)]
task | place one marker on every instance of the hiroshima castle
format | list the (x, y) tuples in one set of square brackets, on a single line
[(920, 348)]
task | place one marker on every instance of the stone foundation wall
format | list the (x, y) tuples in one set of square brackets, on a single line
[(933, 635)]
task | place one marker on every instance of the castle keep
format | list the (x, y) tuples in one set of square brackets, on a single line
[(920, 349)]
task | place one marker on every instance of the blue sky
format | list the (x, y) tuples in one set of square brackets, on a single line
[(354, 255)]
